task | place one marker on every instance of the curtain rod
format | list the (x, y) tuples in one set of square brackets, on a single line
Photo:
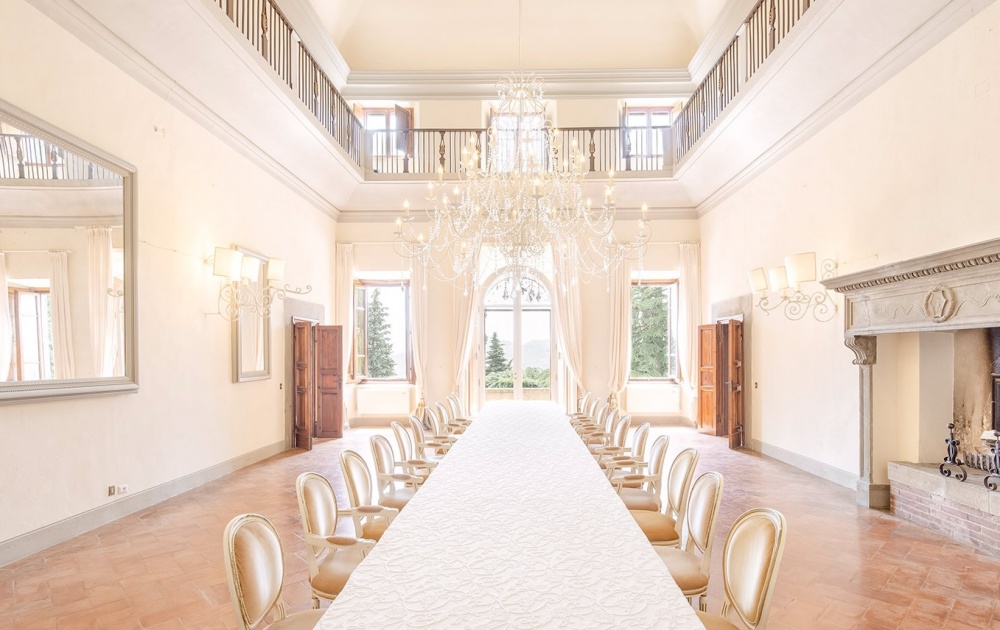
[(35, 251)]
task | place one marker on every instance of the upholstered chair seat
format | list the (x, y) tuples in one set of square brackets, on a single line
[(333, 572), (659, 528), (714, 622), (394, 489), (396, 498), (685, 568), (639, 499), (370, 519), (305, 620)]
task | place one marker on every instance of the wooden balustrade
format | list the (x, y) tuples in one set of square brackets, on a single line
[(766, 26), (423, 151), (29, 157)]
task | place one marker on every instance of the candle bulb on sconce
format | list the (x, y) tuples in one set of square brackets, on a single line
[(787, 281), (246, 288)]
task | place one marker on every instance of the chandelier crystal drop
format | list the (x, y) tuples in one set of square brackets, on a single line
[(518, 203)]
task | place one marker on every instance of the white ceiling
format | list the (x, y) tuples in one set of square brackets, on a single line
[(456, 35)]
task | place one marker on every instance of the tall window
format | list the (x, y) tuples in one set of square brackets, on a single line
[(646, 127), (382, 331), (31, 317), (391, 127), (654, 330), (530, 137)]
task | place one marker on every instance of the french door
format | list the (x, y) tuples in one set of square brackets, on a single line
[(517, 341)]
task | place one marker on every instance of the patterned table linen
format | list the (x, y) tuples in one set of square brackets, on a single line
[(517, 528)]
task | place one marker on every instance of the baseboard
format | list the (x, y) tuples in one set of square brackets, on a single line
[(809, 465), (44, 537)]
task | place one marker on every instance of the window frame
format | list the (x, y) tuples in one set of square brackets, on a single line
[(391, 133), (16, 362), (628, 147), (362, 332), (671, 328)]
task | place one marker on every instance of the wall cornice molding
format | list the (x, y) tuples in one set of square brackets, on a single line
[(625, 214), (72, 17), (717, 39), (481, 84)]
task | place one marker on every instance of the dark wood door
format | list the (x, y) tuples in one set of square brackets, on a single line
[(734, 378), (707, 378), (329, 381), (303, 378)]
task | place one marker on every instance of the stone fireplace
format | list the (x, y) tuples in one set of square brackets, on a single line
[(956, 292)]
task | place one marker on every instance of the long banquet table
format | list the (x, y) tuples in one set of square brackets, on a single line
[(516, 528)]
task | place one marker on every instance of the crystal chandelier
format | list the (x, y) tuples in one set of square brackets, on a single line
[(521, 201)]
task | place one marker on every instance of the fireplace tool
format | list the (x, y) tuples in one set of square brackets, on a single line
[(992, 480), (952, 463)]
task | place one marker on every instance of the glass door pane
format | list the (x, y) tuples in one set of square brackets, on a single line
[(536, 354), (499, 343)]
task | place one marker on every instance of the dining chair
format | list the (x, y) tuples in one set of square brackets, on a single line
[(438, 426), (642, 491), (255, 570), (663, 527), (407, 461), (623, 460), (452, 424), (750, 561), (616, 443), (394, 489), (420, 442), (332, 558), (689, 565), (370, 520)]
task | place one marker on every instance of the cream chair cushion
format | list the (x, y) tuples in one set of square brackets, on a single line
[(639, 499), (397, 498), (334, 570), (715, 622), (657, 526), (685, 568), (374, 528), (305, 620)]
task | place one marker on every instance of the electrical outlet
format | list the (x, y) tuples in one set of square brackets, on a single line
[(122, 489), (111, 491)]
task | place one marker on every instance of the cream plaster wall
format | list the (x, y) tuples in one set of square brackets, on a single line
[(888, 180), (194, 193)]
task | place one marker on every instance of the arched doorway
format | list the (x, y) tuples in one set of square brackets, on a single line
[(518, 344)]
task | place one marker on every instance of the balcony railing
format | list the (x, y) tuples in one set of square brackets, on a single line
[(28, 157), (766, 26), (424, 151)]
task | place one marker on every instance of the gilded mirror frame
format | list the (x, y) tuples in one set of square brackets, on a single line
[(18, 391)]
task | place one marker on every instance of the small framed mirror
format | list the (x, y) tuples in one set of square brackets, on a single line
[(252, 327), (67, 264)]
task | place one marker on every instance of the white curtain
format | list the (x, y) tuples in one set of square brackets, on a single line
[(568, 312), (689, 317), (102, 315), (6, 329), (620, 285), (344, 315), (62, 322), (418, 327), (466, 302)]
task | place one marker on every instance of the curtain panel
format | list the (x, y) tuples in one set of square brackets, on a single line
[(620, 298), (568, 311), (6, 330), (418, 330), (689, 317), (62, 322), (102, 315)]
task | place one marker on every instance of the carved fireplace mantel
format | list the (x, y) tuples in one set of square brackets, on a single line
[(958, 288), (950, 290)]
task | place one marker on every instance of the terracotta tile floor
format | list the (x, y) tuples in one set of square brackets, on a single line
[(844, 567)]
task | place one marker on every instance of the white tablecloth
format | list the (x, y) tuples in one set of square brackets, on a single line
[(517, 528)]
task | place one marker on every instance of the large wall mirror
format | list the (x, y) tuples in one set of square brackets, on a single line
[(67, 264)]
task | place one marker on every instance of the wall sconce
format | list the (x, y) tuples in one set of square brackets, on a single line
[(245, 286), (785, 281)]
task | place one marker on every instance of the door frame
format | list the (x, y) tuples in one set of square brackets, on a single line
[(516, 309)]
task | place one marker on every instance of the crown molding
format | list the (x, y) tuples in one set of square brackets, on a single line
[(624, 214), (313, 33), (481, 84), (92, 32), (902, 55)]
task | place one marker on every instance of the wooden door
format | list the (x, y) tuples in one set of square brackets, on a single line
[(302, 375), (707, 378), (734, 378), (329, 382)]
